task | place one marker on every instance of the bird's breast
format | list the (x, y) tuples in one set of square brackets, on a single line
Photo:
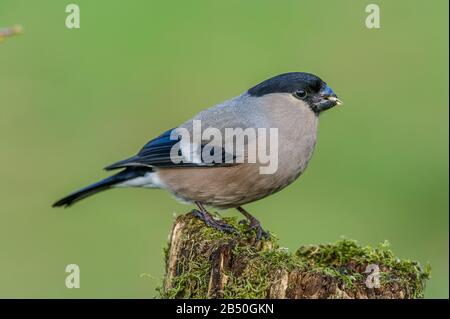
[(297, 139), (232, 186)]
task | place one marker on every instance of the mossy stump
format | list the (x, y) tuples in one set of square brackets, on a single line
[(204, 263)]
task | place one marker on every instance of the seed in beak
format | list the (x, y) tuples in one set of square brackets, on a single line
[(335, 100)]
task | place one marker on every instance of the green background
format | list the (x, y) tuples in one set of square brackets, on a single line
[(73, 101)]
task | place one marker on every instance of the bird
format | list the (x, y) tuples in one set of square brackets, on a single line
[(290, 103)]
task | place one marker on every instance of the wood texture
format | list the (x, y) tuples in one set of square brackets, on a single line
[(204, 263)]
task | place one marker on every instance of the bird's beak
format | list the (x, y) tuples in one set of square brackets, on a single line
[(326, 100), (328, 94), (335, 100)]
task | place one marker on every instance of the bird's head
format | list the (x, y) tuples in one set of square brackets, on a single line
[(305, 87)]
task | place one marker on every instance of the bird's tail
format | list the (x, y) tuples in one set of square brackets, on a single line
[(107, 183)]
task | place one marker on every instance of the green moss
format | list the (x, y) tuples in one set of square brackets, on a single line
[(193, 279), (344, 261), (258, 276), (347, 261)]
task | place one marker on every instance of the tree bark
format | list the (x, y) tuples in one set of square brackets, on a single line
[(204, 263)]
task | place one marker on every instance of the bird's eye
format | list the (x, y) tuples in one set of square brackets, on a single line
[(301, 94)]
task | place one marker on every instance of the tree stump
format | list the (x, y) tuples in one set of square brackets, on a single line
[(204, 263)]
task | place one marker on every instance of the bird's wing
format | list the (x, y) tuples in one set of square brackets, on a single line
[(167, 151)]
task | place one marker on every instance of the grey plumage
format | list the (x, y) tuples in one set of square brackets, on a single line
[(226, 187), (289, 103)]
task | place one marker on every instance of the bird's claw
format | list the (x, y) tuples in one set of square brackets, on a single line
[(260, 232), (214, 223), (255, 225)]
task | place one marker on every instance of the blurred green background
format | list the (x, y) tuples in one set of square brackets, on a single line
[(73, 101)]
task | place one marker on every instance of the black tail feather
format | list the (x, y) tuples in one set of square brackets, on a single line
[(102, 185)]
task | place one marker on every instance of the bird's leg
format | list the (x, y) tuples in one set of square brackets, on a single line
[(254, 224), (209, 220)]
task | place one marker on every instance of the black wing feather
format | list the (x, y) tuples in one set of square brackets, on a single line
[(156, 153)]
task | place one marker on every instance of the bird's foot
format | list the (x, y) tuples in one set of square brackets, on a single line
[(214, 223), (260, 232), (255, 225)]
